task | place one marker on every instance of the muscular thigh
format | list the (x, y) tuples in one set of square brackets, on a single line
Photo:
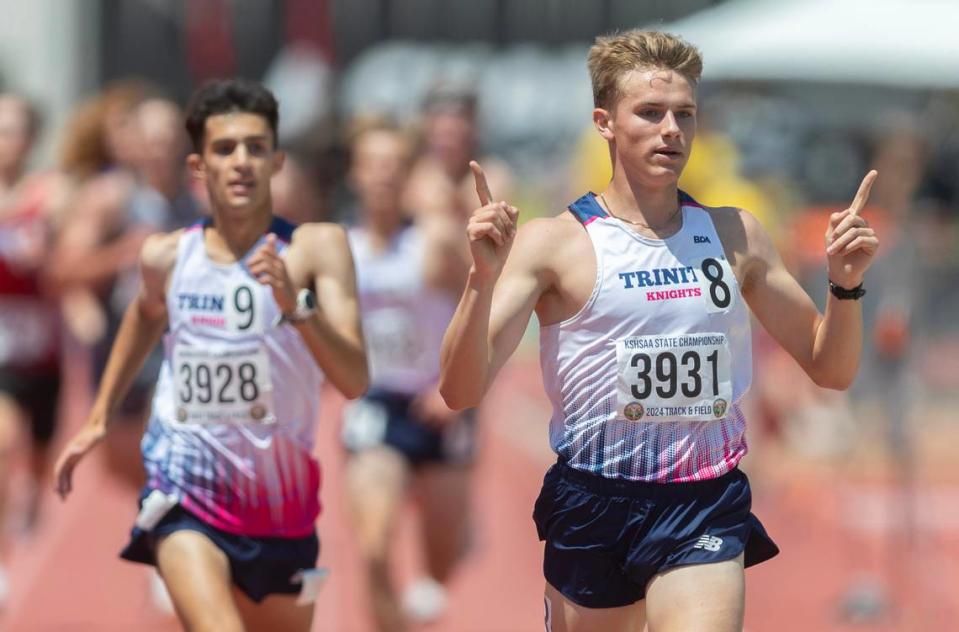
[(276, 613), (697, 598), (197, 575), (563, 615), (376, 480)]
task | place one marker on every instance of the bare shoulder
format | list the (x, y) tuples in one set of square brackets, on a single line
[(548, 245), (159, 251), (320, 246), (319, 237), (746, 242), (157, 258), (544, 236)]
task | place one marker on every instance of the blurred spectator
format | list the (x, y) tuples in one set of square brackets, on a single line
[(97, 158), (29, 315), (140, 187)]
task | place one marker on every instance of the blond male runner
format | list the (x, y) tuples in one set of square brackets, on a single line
[(641, 295), (257, 312)]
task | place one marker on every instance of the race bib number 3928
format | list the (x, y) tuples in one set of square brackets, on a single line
[(223, 386), (673, 377)]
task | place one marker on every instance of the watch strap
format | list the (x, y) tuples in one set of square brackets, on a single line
[(844, 294)]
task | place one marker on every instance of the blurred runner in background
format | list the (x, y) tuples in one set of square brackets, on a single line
[(29, 315), (404, 442), (440, 180), (146, 191), (256, 312)]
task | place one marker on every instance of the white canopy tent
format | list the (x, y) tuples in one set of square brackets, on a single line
[(897, 43)]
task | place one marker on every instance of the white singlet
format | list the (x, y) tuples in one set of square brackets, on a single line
[(403, 318), (646, 379), (235, 411)]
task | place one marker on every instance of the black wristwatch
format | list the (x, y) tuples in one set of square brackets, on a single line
[(852, 294)]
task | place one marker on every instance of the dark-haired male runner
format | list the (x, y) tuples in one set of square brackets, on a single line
[(257, 311)]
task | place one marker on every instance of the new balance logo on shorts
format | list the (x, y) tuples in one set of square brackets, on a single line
[(709, 543)]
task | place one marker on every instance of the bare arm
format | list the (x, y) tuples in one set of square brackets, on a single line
[(143, 324), (320, 254), (504, 285), (80, 257), (490, 320), (827, 347)]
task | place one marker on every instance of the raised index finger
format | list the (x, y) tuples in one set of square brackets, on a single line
[(862, 195), (482, 189)]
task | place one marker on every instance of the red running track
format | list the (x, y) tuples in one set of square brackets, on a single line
[(67, 577)]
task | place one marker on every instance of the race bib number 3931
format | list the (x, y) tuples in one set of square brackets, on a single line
[(673, 377), (223, 386)]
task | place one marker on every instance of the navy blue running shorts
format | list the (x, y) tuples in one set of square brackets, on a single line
[(607, 538), (38, 395), (259, 566), (384, 418)]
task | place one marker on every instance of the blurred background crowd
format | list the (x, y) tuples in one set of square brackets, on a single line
[(799, 99)]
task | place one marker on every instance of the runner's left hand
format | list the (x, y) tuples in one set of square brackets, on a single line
[(850, 242), (268, 267)]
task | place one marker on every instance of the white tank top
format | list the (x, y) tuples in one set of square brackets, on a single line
[(235, 410), (646, 379), (403, 318)]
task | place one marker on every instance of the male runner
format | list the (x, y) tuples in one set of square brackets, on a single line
[(440, 182), (401, 436), (231, 498), (641, 295), (29, 316)]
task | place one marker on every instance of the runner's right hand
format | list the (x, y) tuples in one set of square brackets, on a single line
[(75, 450), (490, 230)]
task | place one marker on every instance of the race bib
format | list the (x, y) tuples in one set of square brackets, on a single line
[(673, 377), (223, 386)]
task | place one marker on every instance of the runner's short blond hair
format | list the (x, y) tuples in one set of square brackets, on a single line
[(612, 56)]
